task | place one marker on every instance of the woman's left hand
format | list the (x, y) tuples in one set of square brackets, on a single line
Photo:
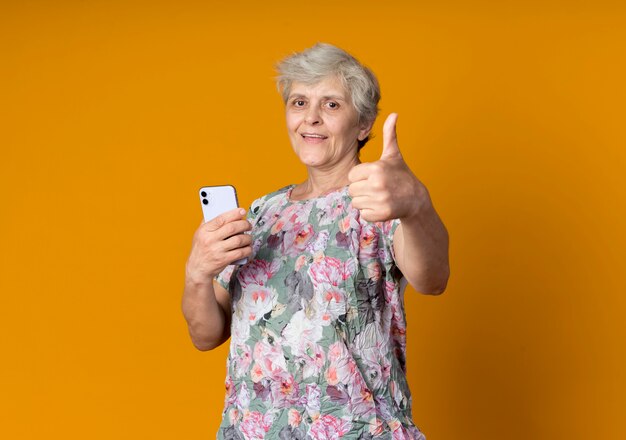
[(387, 189)]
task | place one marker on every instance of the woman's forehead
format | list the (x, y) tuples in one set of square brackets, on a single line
[(328, 87)]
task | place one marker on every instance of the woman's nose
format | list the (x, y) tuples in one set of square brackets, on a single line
[(312, 116)]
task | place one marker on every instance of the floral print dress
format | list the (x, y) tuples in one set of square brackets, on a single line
[(317, 348)]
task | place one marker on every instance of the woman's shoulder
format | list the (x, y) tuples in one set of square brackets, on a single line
[(269, 199)]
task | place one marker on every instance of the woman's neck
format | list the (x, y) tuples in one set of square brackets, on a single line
[(320, 182)]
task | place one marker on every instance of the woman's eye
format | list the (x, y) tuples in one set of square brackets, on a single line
[(298, 103), (332, 105)]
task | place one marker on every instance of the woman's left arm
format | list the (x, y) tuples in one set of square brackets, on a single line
[(387, 189), (420, 246)]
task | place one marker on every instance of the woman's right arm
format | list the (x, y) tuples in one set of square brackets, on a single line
[(206, 305)]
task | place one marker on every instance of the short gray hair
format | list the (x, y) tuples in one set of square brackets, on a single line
[(323, 60)]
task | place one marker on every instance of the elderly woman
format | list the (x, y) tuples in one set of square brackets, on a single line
[(316, 317)]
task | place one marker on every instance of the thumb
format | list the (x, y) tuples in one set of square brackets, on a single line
[(390, 139)]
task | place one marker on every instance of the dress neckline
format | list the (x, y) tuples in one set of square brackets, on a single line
[(312, 199)]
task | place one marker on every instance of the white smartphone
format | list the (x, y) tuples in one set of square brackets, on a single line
[(218, 199)]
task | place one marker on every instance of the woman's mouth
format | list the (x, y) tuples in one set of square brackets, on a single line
[(313, 138)]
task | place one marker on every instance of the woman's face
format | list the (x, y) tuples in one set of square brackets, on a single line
[(323, 124)]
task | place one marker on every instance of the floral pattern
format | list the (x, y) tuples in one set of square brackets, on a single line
[(318, 343)]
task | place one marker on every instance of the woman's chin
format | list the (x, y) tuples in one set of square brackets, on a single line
[(311, 164), (311, 160)]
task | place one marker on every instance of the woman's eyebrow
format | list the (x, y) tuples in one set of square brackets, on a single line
[(295, 95), (335, 97)]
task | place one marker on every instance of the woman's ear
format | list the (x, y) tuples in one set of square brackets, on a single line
[(365, 129)]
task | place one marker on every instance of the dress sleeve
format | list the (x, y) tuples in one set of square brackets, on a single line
[(387, 229), (223, 278)]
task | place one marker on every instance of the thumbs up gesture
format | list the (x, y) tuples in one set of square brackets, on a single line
[(386, 189)]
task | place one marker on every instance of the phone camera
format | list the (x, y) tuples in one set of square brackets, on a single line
[(203, 193), (205, 201)]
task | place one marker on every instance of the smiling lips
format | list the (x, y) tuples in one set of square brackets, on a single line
[(313, 137)]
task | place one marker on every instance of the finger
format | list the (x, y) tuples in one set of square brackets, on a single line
[(237, 241), (359, 188), (390, 138), (361, 202), (368, 215), (237, 254), (359, 172), (226, 217), (232, 228)]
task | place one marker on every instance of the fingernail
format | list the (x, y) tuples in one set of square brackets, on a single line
[(242, 211)]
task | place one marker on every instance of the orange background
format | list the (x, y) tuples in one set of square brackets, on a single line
[(114, 113)]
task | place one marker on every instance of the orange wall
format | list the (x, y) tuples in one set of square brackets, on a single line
[(113, 114)]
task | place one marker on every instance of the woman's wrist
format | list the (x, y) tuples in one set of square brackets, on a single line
[(421, 203), (198, 279)]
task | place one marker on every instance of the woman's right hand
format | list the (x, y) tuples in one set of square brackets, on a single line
[(218, 243)]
